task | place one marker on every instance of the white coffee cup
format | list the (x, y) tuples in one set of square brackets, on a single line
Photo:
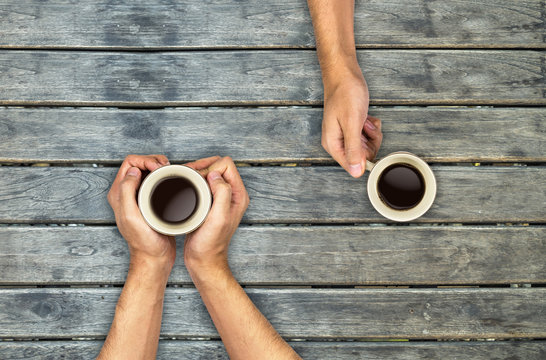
[(413, 161), (202, 207)]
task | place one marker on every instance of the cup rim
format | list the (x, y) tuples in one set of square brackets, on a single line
[(195, 220), (430, 186)]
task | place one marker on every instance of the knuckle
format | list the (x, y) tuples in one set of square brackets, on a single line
[(130, 218), (324, 143), (228, 159)]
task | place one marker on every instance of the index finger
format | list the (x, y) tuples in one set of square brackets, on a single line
[(202, 164), (143, 162), (375, 136), (376, 132)]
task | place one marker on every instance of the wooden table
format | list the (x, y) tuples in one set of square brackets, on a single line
[(459, 83)]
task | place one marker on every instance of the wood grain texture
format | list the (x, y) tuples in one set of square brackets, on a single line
[(194, 350), (264, 135), (285, 195), (267, 77), (186, 24), (384, 255), (295, 313)]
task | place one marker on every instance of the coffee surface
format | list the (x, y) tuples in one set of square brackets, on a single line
[(174, 200), (401, 186)]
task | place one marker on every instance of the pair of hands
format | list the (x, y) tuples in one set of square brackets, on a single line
[(349, 135), (205, 248)]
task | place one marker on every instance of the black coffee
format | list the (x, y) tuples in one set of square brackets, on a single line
[(174, 200), (401, 186)]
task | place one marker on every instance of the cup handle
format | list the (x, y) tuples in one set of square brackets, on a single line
[(369, 165)]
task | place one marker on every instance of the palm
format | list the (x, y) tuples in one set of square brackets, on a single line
[(144, 240), (197, 242)]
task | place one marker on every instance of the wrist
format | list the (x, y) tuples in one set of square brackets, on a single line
[(145, 285), (342, 78), (335, 72), (150, 268), (208, 272)]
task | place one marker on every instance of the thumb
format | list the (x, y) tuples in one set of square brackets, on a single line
[(128, 189), (354, 153), (221, 193)]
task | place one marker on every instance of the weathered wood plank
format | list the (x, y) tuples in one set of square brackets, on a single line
[(266, 77), (185, 24), (264, 135), (285, 195), (293, 255), (295, 313), (194, 350)]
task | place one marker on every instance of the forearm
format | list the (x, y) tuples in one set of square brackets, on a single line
[(246, 333), (333, 25), (134, 333)]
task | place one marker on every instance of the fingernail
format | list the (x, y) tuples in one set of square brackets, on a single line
[(214, 175), (355, 170), (132, 171), (369, 125)]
